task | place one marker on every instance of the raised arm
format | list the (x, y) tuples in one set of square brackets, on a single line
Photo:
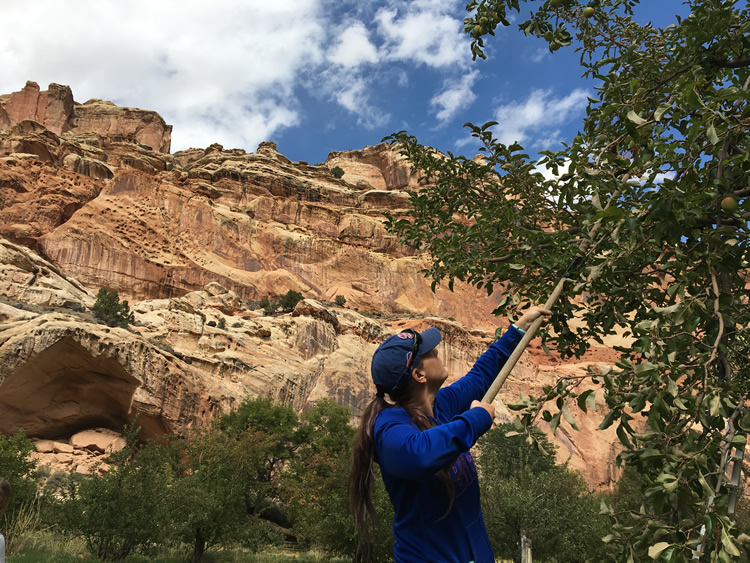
[(408, 453), (457, 397)]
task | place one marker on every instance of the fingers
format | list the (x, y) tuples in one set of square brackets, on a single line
[(532, 314), (486, 406)]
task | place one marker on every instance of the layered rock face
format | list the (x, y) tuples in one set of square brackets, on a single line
[(194, 240), (55, 109)]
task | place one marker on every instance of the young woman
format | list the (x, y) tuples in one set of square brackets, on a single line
[(4, 495), (421, 441)]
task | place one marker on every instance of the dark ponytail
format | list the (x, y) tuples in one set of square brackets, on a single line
[(363, 457), (360, 478)]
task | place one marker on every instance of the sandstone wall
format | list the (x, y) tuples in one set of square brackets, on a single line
[(193, 240), (55, 109)]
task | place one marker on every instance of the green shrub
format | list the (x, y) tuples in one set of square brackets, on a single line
[(222, 324), (340, 300), (109, 309), (269, 307), (337, 172), (17, 467), (290, 299), (126, 509), (524, 490), (22, 515)]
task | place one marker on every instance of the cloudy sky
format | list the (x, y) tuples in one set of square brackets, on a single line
[(314, 76)]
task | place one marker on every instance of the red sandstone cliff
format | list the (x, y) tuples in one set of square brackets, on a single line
[(93, 198)]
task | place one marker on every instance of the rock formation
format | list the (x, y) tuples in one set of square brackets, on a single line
[(91, 198), (55, 109)]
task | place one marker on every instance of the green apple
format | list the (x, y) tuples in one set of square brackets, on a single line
[(588, 12), (555, 3), (729, 204)]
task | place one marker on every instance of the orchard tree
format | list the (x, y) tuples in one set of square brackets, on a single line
[(524, 492), (126, 509), (209, 491), (645, 226)]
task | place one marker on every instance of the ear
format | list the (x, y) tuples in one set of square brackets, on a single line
[(418, 375)]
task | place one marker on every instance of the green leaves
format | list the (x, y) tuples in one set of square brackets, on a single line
[(587, 400), (523, 488), (635, 118), (664, 141), (656, 550), (109, 309)]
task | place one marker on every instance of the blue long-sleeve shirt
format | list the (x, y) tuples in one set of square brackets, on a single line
[(409, 458)]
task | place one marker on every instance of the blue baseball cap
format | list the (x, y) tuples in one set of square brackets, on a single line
[(392, 362)]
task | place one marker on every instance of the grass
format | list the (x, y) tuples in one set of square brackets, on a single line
[(50, 547)]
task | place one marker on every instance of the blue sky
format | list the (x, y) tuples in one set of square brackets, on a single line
[(314, 76)]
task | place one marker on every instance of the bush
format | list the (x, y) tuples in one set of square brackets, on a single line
[(290, 299), (340, 300), (337, 172), (17, 467), (222, 324), (109, 309), (269, 307), (126, 509), (525, 491)]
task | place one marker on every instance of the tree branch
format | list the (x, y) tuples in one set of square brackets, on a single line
[(739, 63)]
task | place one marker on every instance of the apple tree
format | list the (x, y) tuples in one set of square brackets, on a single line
[(647, 219)]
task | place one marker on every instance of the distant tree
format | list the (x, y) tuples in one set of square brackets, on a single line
[(290, 299), (17, 467), (525, 491), (269, 307), (210, 491), (337, 172), (316, 488), (108, 308), (275, 431), (126, 509), (340, 300)]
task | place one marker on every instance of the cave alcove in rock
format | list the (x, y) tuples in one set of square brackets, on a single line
[(66, 389)]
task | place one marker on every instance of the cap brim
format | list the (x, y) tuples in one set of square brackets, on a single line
[(430, 339)]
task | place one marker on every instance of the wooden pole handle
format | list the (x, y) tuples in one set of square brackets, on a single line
[(510, 364)]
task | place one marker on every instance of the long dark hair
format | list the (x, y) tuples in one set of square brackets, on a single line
[(363, 458)]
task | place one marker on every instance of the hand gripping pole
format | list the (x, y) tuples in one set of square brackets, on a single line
[(510, 364)]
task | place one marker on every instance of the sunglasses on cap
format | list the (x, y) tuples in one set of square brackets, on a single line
[(414, 348)]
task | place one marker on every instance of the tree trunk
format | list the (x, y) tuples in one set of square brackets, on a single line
[(199, 547)]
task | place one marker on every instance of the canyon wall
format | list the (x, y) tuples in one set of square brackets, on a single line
[(90, 197)]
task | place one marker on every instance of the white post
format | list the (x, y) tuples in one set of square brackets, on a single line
[(525, 548)]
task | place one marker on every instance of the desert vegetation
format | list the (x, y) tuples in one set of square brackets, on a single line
[(263, 483)]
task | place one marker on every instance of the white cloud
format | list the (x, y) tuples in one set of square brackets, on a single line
[(539, 54), (548, 174), (455, 96), (534, 120), (353, 93), (353, 47), (219, 72), (238, 72), (424, 32)]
